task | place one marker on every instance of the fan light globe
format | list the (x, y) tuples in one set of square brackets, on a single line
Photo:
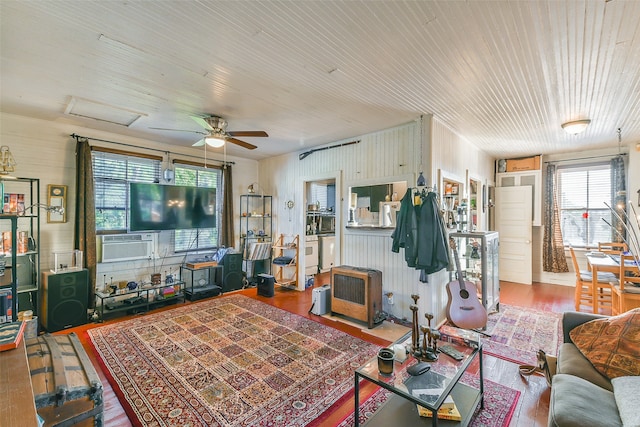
[(215, 142), (575, 127)]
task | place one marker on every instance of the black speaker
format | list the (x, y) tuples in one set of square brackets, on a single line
[(64, 300), (266, 284), (231, 272)]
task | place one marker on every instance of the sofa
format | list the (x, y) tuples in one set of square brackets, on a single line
[(581, 395)]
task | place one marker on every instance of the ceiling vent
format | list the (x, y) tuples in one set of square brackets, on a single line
[(85, 108)]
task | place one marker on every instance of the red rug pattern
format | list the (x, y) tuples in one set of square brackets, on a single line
[(517, 333), (230, 361)]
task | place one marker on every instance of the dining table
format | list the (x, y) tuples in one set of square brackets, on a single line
[(600, 261)]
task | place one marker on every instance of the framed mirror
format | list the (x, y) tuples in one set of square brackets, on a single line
[(57, 196)]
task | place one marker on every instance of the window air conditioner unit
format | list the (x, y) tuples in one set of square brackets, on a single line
[(127, 247)]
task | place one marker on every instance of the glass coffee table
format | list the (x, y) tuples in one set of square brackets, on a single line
[(429, 390)]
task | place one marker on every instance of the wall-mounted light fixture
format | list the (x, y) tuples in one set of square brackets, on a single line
[(576, 126)]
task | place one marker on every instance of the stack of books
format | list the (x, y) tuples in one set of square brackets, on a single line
[(448, 410), (459, 336)]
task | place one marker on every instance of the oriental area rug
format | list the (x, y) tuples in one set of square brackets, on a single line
[(499, 404), (517, 333), (231, 361)]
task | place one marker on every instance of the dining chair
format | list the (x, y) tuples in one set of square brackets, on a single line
[(584, 284), (626, 291), (612, 247)]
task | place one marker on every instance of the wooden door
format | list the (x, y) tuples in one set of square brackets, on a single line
[(513, 223)]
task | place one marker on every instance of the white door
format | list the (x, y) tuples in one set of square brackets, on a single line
[(513, 222)]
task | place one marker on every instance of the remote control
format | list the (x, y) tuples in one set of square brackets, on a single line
[(451, 352)]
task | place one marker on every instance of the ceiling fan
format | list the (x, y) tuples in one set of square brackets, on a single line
[(216, 134)]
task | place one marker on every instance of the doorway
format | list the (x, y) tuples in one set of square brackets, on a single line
[(322, 220), (320, 226)]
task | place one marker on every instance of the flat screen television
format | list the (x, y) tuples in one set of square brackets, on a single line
[(171, 207)]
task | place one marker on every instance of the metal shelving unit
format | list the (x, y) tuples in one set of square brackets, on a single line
[(20, 245), (256, 228)]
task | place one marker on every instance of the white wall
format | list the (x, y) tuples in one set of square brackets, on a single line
[(44, 150), (393, 154)]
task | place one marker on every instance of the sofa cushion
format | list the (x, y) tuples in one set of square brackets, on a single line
[(611, 344), (625, 391), (576, 402), (572, 362)]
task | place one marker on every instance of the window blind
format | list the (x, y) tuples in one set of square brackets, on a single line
[(201, 238), (112, 174), (582, 193)]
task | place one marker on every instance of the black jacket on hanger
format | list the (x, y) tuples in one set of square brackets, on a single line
[(421, 232), (405, 234), (433, 244)]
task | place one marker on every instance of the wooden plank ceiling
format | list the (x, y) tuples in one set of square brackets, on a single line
[(503, 74)]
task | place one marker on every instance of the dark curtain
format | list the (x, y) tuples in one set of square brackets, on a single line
[(226, 232), (553, 257), (85, 226), (618, 199)]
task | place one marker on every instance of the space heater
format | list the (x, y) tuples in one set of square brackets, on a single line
[(357, 293)]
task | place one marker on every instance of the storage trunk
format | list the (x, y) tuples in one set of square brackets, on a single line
[(66, 387)]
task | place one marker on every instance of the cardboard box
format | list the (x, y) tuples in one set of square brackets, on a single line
[(523, 164)]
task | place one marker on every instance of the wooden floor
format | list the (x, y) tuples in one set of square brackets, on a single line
[(533, 405)]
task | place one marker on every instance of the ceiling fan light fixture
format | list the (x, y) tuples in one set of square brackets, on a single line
[(215, 141), (575, 127)]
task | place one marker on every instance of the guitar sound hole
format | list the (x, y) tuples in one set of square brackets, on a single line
[(464, 293)]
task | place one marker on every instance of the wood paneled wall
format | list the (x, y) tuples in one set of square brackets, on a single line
[(44, 150), (392, 154)]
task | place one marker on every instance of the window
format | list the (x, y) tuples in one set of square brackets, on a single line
[(112, 174), (582, 193), (199, 238)]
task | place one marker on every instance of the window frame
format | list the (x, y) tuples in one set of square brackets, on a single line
[(196, 235), (105, 182), (590, 213)]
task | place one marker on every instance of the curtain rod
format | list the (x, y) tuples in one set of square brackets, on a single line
[(228, 162), (587, 158)]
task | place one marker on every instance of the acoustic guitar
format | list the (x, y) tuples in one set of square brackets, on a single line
[(464, 309)]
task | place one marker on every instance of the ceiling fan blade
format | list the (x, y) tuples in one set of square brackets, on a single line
[(255, 133), (182, 130), (199, 143), (242, 143), (202, 122)]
